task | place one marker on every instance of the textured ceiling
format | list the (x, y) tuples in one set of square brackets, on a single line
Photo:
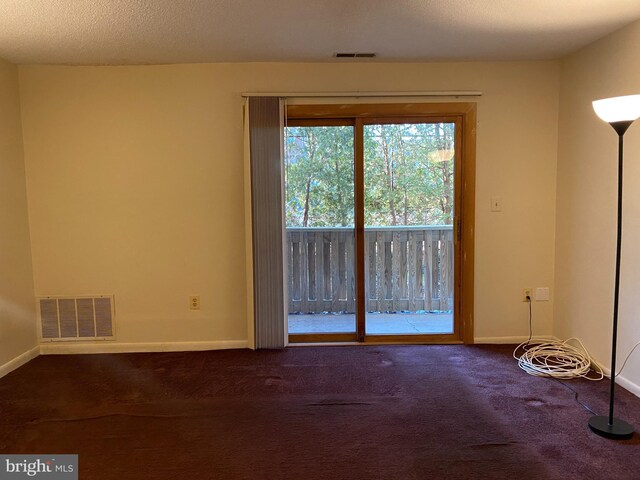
[(190, 31)]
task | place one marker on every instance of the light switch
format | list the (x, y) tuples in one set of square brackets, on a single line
[(496, 204)]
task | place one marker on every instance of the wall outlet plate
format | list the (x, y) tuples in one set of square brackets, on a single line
[(527, 292), (194, 302), (542, 294)]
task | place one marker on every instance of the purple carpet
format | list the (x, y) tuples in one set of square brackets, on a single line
[(392, 412)]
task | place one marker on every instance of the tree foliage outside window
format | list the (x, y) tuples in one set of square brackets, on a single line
[(408, 175)]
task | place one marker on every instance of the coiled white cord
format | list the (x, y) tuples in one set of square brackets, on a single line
[(556, 359)]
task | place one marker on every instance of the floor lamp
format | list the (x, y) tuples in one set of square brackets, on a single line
[(620, 113)]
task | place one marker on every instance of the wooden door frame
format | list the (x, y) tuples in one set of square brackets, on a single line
[(465, 117)]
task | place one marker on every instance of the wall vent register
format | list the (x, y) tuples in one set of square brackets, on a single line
[(354, 55), (76, 318)]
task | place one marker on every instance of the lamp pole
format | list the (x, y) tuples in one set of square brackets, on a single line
[(610, 426)]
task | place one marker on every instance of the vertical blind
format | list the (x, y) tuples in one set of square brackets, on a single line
[(265, 145)]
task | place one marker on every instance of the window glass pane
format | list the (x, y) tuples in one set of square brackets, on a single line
[(319, 210), (409, 194)]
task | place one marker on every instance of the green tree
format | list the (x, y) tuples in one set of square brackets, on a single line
[(319, 176), (408, 175)]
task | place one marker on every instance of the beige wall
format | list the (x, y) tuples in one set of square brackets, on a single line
[(136, 187), (17, 304), (586, 209)]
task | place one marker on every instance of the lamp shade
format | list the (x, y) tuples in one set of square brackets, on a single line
[(443, 155), (618, 109)]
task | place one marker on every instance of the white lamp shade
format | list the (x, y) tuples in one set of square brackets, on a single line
[(443, 155), (618, 109)]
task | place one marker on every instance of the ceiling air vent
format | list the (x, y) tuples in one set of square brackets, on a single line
[(76, 318), (355, 55)]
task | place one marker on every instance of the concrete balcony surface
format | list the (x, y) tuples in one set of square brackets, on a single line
[(376, 323)]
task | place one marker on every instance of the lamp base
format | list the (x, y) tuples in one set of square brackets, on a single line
[(620, 429)]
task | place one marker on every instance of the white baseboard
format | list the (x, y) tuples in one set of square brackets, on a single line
[(621, 380), (20, 360), (61, 348), (512, 340), (628, 385)]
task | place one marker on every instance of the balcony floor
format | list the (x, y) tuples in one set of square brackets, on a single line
[(377, 323)]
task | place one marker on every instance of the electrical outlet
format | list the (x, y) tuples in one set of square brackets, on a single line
[(194, 302), (527, 292)]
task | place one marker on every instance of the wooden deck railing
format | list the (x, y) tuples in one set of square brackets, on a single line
[(406, 268)]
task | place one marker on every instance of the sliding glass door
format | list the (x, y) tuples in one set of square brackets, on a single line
[(409, 177), (320, 229), (373, 225)]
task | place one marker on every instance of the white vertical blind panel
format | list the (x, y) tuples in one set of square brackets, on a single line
[(265, 134)]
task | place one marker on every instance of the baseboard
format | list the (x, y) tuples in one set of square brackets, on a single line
[(62, 348), (20, 360), (620, 380), (512, 340), (628, 385)]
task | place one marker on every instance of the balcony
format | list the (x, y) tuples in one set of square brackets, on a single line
[(408, 279)]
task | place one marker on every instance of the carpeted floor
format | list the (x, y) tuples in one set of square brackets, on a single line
[(392, 412)]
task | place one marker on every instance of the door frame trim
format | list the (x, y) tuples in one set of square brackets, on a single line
[(464, 221)]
